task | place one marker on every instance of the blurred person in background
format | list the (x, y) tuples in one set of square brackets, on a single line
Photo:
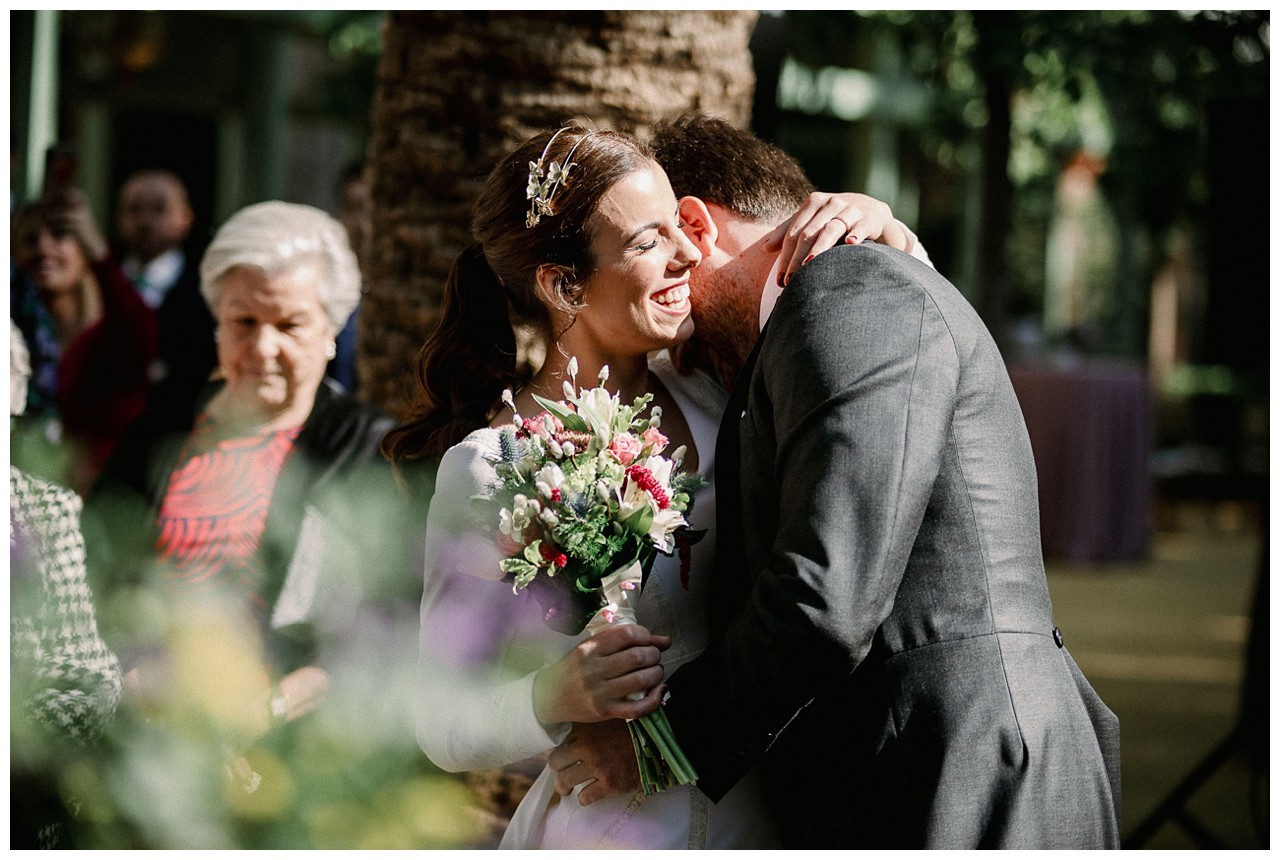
[(64, 683), (154, 221), (92, 340), (252, 549)]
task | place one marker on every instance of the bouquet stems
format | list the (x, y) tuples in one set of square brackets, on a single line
[(661, 760)]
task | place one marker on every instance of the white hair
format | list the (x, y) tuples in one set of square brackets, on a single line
[(277, 237)]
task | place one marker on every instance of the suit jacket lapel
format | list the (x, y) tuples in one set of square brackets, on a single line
[(727, 588)]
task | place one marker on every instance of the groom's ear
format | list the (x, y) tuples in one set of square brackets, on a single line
[(698, 224)]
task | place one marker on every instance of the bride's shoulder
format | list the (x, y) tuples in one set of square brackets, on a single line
[(467, 467), (482, 440)]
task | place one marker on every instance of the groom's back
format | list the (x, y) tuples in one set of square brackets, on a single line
[(966, 724), (979, 539)]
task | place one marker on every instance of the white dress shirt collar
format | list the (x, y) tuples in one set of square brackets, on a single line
[(155, 279), (769, 295)]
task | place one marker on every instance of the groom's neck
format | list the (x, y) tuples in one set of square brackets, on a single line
[(723, 360)]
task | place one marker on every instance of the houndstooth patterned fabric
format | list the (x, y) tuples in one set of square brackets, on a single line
[(63, 675)]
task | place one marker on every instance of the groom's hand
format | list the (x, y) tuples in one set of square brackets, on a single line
[(599, 754)]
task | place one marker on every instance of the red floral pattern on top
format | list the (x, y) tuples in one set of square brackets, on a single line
[(215, 511)]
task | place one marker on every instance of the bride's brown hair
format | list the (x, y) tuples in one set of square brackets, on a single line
[(470, 356)]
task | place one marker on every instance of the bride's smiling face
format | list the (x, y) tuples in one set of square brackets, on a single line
[(637, 297)]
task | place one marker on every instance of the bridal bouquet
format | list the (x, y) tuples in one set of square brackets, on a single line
[(585, 501)]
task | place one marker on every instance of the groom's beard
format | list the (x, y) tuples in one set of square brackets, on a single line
[(726, 318)]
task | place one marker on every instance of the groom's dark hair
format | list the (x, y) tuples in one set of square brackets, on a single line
[(718, 163)]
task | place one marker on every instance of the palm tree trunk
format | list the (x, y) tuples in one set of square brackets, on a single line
[(457, 90)]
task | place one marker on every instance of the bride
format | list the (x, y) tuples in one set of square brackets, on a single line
[(577, 237)]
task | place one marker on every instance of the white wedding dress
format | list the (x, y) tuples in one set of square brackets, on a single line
[(481, 644)]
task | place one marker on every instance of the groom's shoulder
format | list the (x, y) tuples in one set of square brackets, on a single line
[(852, 274), (865, 262), (848, 275)]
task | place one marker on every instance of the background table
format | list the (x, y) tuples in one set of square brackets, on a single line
[(1090, 428)]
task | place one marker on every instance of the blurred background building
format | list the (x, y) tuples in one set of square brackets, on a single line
[(243, 106), (1097, 183)]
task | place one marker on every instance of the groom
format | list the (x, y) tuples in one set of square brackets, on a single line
[(882, 645)]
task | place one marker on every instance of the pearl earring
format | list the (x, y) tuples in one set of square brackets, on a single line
[(331, 350)]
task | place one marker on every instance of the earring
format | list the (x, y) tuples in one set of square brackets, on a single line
[(331, 350), (217, 334)]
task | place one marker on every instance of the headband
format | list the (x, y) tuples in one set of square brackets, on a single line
[(543, 186)]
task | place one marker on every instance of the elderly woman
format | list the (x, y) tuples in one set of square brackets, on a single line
[(259, 517)]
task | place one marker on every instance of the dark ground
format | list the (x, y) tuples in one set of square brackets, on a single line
[(1164, 643)]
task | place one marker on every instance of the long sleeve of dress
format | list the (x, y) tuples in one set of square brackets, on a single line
[(479, 644)]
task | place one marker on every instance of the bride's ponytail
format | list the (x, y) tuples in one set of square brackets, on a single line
[(466, 362)]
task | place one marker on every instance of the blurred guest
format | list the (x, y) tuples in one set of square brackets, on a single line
[(154, 221), (92, 336), (258, 519), (64, 682)]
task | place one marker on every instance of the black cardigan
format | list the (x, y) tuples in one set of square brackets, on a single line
[(336, 470)]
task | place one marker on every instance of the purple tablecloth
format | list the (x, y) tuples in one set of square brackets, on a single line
[(1090, 428)]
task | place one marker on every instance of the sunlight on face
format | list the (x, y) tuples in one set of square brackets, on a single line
[(272, 336), (638, 293)]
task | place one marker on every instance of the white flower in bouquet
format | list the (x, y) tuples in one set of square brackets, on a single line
[(549, 480), (599, 408)]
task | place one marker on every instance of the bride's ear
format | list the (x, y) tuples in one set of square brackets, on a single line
[(550, 285), (698, 224)]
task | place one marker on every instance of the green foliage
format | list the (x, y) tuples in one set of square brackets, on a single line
[(1132, 87), (571, 420), (589, 540)]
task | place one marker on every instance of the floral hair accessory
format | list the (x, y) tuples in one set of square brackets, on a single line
[(543, 184)]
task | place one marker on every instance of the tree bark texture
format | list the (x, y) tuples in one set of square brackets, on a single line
[(458, 90)]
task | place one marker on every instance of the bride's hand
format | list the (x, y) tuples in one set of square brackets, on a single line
[(599, 754), (594, 680), (827, 219)]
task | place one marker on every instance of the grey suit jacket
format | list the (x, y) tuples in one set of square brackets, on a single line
[(882, 640)]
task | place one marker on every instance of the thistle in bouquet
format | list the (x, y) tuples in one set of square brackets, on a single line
[(585, 501)]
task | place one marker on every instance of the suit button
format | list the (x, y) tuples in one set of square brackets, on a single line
[(1057, 637)]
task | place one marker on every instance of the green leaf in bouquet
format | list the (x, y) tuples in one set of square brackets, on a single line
[(640, 521), (588, 582), (570, 419), (639, 404), (533, 553), (626, 420), (687, 483), (581, 540), (615, 543), (522, 571)]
